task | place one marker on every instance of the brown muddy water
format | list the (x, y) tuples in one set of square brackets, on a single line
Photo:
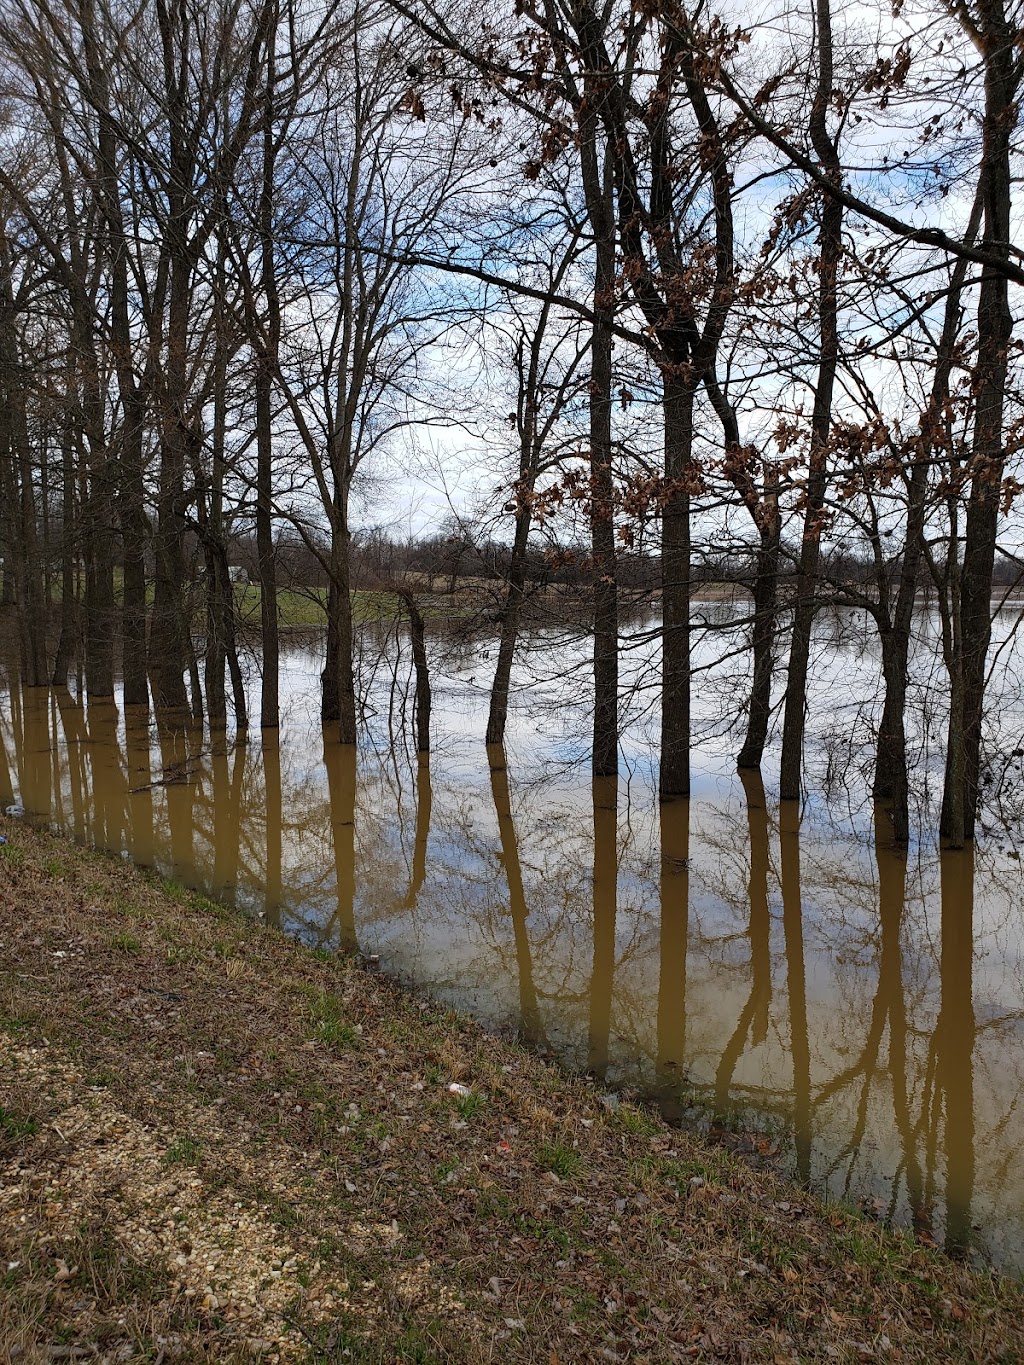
[(778, 972)]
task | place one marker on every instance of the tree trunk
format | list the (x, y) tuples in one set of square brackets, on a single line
[(831, 246), (269, 699), (766, 590), (419, 659), (134, 534), (215, 659), (67, 640), (762, 503), (497, 714), (995, 328), (15, 451), (953, 821), (28, 571), (130, 490), (675, 587), (168, 651), (266, 364), (891, 775), (338, 706), (330, 697), (195, 684), (598, 190), (168, 644), (100, 605), (234, 667), (219, 591)]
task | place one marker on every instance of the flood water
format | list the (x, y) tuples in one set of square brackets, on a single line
[(775, 971)]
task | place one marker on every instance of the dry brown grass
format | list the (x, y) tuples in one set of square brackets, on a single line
[(217, 1146)]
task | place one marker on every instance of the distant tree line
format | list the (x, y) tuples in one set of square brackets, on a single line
[(457, 555)]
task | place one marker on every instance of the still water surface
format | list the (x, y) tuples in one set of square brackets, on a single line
[(756, 967)]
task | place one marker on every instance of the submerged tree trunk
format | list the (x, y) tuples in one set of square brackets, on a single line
[(134, 533), (678, 400), (215, 659), (597, 181), (168, 656), (221, 647), (762, 503), (15, 452), (497, 714), (186, 234), (129, 490), (330, 708), (891, 773), (168, 645), (28, 570), (211, 532), (338, 706), (269, 698), (766, 592), (831, 246), (997, 40), (266, 364), (67, 641), (100, 605)]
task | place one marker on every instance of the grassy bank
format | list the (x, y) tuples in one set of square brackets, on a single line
[(218, 1146)]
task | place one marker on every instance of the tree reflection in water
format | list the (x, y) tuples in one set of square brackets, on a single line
[(735, 958), (673, 939), (529, 1011), (605, 883)]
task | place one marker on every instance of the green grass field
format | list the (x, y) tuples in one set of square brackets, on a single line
[(308, 606)]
